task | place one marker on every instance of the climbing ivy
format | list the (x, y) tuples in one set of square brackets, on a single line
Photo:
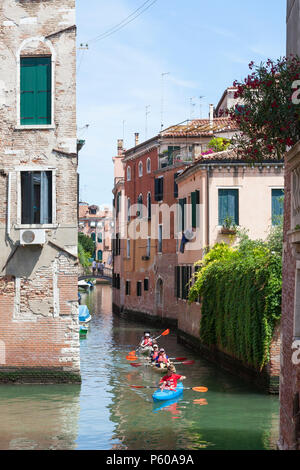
[(240, 290)]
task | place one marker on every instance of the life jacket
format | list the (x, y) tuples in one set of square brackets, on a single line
[(171, 381), (162, 358), (154, 355), (147, 342)]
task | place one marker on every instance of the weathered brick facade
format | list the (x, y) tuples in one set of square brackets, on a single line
[(38, 282)]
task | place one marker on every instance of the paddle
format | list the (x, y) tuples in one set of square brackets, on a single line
[(196, 389), (186, 363), (165, 333)]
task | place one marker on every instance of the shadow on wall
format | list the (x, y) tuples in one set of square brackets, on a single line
[(28, 259)]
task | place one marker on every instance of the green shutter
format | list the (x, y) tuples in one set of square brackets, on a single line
[(277, 206), (181, 218), (35, 83), (229, 205), (194, 209)]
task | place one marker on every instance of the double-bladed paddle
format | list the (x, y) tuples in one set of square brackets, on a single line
[(186, 363), (196, 389)]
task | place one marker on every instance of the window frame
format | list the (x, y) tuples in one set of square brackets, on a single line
[(237, 209), (140, 169), (19, 55), (19, 224)]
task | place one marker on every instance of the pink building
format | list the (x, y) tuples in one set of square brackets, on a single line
[(97, 224)]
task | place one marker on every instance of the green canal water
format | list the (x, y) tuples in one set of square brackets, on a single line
[(105, 413)]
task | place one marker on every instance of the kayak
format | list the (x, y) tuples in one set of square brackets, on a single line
[(160, 370), (168, 394)]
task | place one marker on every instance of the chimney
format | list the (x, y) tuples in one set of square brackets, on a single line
[(136, 136), (211, 115), (120, 146)]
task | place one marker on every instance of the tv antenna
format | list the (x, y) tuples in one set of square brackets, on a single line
[(163, 75)]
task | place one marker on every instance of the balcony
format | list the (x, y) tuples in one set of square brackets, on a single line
[(175, 157)]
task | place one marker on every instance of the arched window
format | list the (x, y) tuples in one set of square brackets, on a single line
[(100, 255), (140, 206), (93, 236), (159, 292), (140, 169), (128, 209), (128, 173), (148, 165), (149, 205)]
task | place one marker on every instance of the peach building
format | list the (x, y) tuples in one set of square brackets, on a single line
[(215, 188)]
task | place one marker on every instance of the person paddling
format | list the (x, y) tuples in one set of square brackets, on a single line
[(147, 340), (169, 381), (162, 359)]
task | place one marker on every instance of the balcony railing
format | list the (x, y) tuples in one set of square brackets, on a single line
[(167, 159)]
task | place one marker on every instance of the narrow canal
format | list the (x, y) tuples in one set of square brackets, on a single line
[(105, 413)]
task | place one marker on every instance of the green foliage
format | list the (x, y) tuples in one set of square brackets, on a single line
[(241, 298), (268, 116), (218, 144), (87, 244), (86, 249)]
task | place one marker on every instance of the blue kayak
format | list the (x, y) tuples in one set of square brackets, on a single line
[(168, 394)]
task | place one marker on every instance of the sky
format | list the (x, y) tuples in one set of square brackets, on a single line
[(202, 47)]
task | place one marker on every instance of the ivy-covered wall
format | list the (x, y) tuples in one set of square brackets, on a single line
[(240, 289)]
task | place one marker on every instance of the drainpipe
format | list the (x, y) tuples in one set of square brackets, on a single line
[(207, 206), (8, 203)]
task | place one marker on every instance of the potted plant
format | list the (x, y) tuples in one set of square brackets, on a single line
[(229, 226)]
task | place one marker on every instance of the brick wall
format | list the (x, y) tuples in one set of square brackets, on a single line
[(38, 284)]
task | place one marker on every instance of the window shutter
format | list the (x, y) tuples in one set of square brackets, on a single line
[(176, 185), (194, 209), (27, 197), (35, 88), (228, 205), (277, 205)]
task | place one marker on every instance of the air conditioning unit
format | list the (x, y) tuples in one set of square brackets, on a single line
[(33, 237)]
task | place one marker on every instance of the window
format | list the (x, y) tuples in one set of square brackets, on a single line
[(195, 199), (186, 274), (148, 247), (159, 188), (229, 205), (128, 173), (173, 151), (139, 289), (117, 245), (175, 184), (35, 89), (100, 237), (100, 255), (181, 215), (118, 205), (277, 206), (146, 284), (149, 205), (128, 209), (93, 236), (36, 196), (128, 248), (160, 233), (127, 287), (148, 165), (140, 207), (140, 169)]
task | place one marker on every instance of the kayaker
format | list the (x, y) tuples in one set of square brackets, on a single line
[(146, 341), (154, 353), (162, 359), (169, 381)]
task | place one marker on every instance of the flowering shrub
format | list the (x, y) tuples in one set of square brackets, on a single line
[(268, 116), (217, 144)]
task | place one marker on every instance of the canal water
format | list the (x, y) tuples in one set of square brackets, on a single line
[(105, 413)]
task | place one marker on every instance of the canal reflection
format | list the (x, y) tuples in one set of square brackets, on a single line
[(106, 413)]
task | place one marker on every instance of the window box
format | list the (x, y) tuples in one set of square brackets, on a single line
[(228, 231)]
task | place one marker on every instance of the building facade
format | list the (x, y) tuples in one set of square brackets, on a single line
[(146, 258), (97, 223), (218, 187), (290, 347), (38, 188)]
